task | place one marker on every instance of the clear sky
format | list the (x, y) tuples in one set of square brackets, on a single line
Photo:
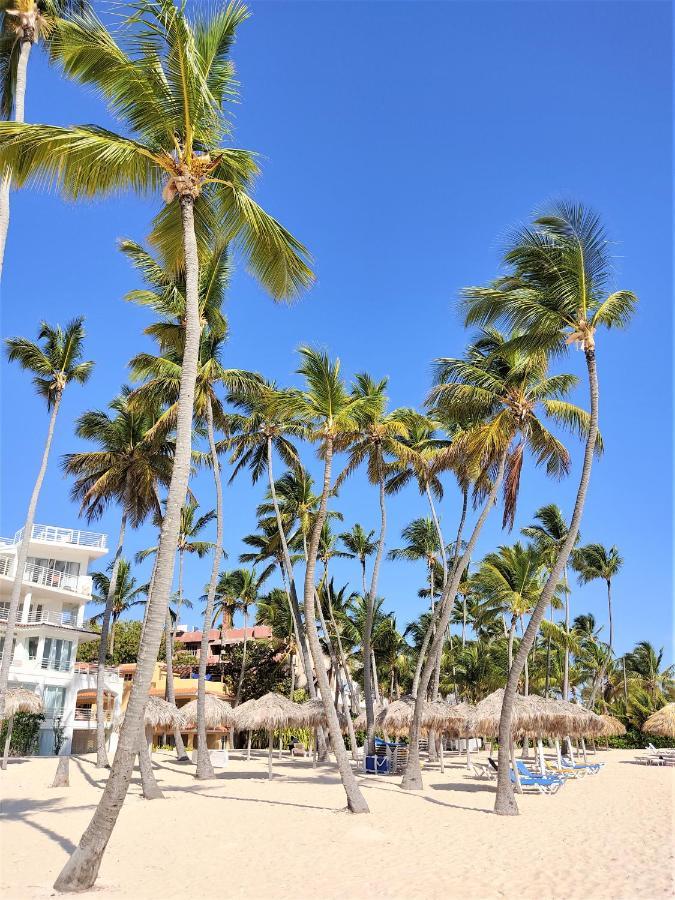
[(400, 142)]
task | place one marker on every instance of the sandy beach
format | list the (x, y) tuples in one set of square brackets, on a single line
[(609, 836)]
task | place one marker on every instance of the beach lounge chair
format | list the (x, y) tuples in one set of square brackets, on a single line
[(479, 771), (299, 749), (565, 772), (592, 768), (545, 784)]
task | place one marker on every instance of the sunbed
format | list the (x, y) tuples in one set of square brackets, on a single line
[(591, 768)]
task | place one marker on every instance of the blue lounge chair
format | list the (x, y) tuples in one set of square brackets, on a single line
[(547, 784), (592, 768), (377, 765)]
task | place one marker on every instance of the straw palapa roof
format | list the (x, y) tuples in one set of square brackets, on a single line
[(397, 716), (270, 713), (160, 714), (217, 713), (450, 718), (360, 723), (20, 700), (612, 727), (662, 722), (534, 715)]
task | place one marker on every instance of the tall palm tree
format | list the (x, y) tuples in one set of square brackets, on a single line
[(23, 23), (507, 393), (549, 532), (55, 361), (131, 461), (331, 412), (596, 563), (422, 543), (127, 592), (191, 526), (554, 294), (178, 127), (359, 544), (376, 439)]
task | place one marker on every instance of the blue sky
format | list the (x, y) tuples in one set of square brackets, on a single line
[(400, 141)]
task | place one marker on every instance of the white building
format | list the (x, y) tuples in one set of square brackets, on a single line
[(50, 624)]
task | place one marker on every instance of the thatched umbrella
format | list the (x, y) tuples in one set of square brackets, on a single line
[(18, 700), (271, 713), (217, 713), (449, 718), (159, 715), (396, 718), (612, 727), (360, 723), (238, 710), (662, 722)]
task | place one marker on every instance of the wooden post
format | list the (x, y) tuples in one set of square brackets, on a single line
[(269, 756)]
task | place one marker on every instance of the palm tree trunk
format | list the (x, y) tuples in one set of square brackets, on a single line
[(505, 804), (8, 741), (375, 681), (597, 684), (346, 674), (420, 661), (412, 779), (62, 776), (512, 631), (366, 641), (566, 671), (21, 557), (356, 802), (170, 692), (111, 648), (242, 671), (149, 786), (19, 101), (302, 637), (81, 870), (204, 766), (101, 754)]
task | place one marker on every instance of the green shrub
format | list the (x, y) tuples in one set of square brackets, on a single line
[(25, 734)]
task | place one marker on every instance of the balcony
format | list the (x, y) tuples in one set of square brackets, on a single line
[(51, 534), (52, 578), (88, 714), (56, 665), (83, 668)]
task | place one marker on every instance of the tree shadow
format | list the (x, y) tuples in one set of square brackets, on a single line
[(20, 810), (99, 784), (467, 787), (266, 802)]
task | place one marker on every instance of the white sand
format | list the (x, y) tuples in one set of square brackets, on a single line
[(605, 836)]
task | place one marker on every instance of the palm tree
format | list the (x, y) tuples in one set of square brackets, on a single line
[(549, 532), (503, 390), (359, 544), (595, 563), (274, 610), (643, 663), (422, 540), (124, 599), (245, 587), (331, 412), (376, 439), (131, 461), (55, 361), (178, 126), (555, 294), (191, 526), (23, 23)]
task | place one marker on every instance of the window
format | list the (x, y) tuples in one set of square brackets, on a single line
[(57, 654), (69, 614), (54, 700), (35, 613), (33, 647)]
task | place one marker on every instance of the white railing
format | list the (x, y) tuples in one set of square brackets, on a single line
[(61, 665), (92, 669), (53, 534), (6, 565), (53, 578), (52, 617)]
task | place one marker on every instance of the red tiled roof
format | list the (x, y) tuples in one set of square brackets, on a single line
[(258, 632), (195, 637)]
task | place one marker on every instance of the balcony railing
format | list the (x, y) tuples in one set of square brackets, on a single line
[(49, 577), (82, 668), (53, 534), (87, 714), (51, 617), (56, 665)]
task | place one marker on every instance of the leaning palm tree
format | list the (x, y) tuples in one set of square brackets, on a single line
[(131, 462), (126, 596), (375, 441), (596, 563), (508, 393), (359, 544), (555, 294), (331, 412), (22, 24), (166, 80), (55, 361), (549, 531)]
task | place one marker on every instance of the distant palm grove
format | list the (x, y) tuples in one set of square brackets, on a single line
[(496, 409)]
